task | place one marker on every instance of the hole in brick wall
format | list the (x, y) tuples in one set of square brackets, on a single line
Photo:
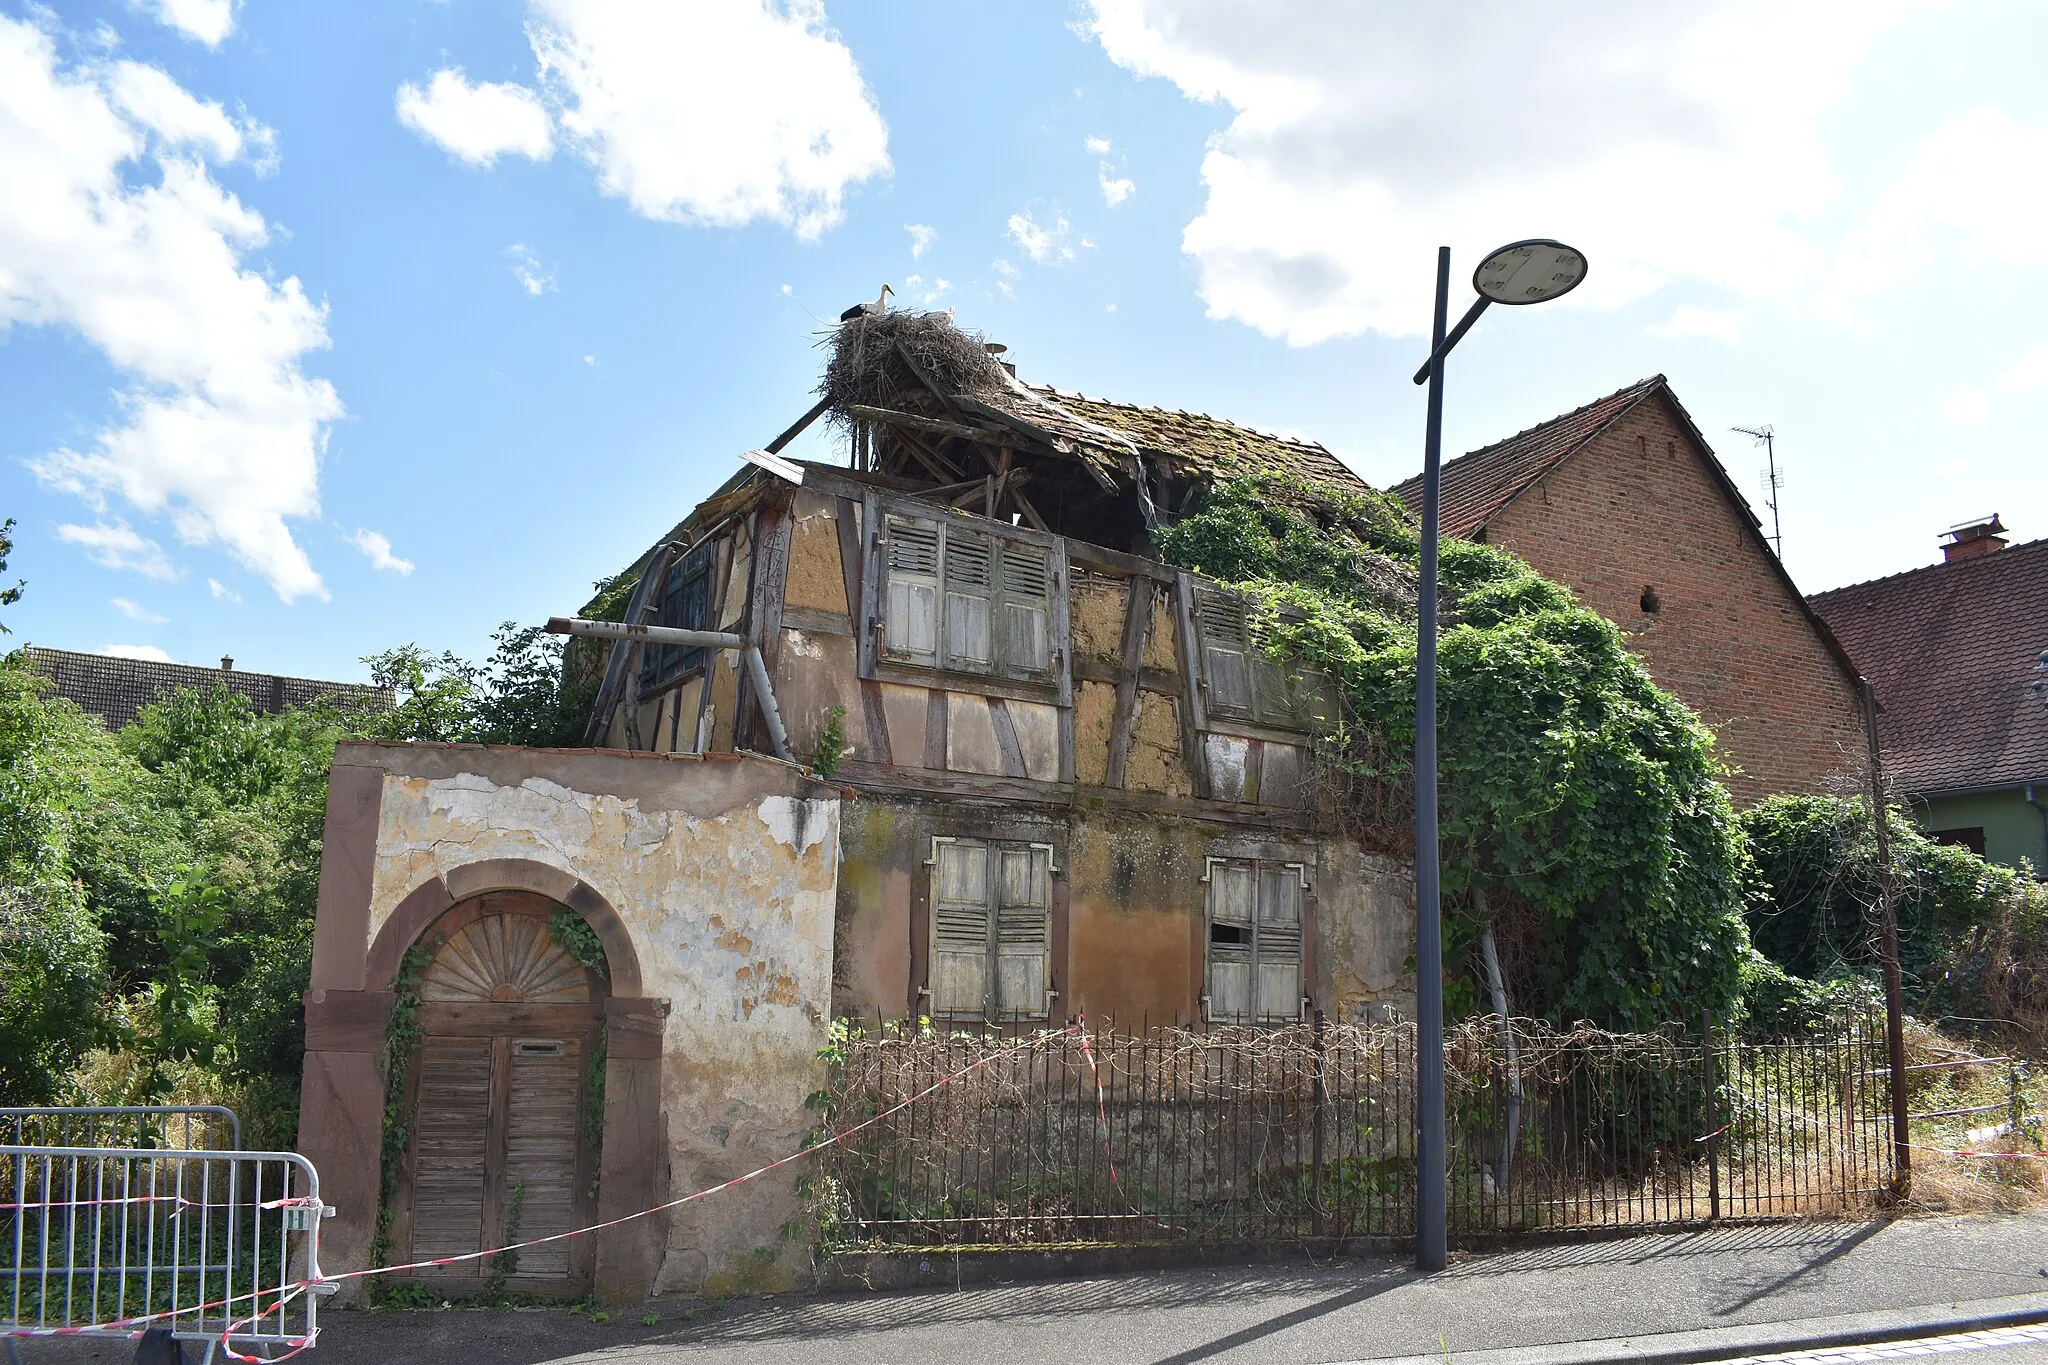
[(1650, 602)]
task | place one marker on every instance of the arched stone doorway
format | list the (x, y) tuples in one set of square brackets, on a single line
[(504, 1099)]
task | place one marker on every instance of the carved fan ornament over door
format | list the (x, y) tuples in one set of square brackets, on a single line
[(500, 1148)]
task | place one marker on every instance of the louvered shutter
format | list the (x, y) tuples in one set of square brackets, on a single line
[(543, 1122), (1279, 942), (1025, 620), (1023, 929), (970, 575), (1272, 692), (910, 618), (1226, 672), (453, 1108), (960, 927), (1233, 906)]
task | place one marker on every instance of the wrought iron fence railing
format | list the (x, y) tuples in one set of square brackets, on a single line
[(1239, 1134)]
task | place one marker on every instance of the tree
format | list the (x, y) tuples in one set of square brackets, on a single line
[(8, 596)]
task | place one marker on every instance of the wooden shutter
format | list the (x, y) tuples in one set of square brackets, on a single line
[(544, 1122), (970, 580), (1025, 622), (1226, 671), (1023, 929), (960, 927), (453, 1111), (910, 619), (1279, 942), (1233, 905)]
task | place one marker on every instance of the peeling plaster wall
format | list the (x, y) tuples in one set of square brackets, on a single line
[(725, 873)]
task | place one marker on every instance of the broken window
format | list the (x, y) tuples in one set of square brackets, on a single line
[(685, 603), (991, 943), (1255, 940), (961, 597), (1240, 681)]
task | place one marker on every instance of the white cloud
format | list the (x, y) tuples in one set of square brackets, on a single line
[(222, 592), (377, 549), (113, 227), (146, 653), (788, 290), (590, 360), (205, 21), (1045, 243), (1665, 139), (1004, 268), (1967, 407), (1115, 188), (477, 122), (720, 112), (533, 277), (1974, 184), (1097, 146), (1717, 324), (2030, 372), (117, 545), (135, 611), (921, 239), (914, 285)]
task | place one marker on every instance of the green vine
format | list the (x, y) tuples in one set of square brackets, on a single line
[(506, 1262), (401, 1042), (571, 933), (831, 743), (593, 1092), (1581, 804)]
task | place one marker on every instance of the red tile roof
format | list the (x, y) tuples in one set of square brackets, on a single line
[(115, 689), (1478, 485), (1950, 650)]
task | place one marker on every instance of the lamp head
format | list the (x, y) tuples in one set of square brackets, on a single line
[(1535, 271)]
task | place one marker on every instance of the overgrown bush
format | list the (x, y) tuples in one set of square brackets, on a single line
[(1580, 801), (1973, 935)]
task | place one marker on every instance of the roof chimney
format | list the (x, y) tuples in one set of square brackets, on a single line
[(227, 661), (1977, 536)]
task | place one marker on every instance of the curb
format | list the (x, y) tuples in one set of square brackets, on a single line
[(1765, 1338)]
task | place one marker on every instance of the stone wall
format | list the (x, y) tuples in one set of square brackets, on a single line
[(712, 882)]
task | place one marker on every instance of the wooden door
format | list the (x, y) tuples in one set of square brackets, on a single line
[(502, 1143)]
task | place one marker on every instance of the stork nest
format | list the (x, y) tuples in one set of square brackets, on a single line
[(865, 367)]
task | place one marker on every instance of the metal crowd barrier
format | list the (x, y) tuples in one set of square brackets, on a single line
[(219, 1247), (190, 1126)]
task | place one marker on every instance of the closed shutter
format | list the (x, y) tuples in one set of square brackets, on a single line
[(453, 1110), (960, 927), (910, 618), (1233, 906), (1026, 619), (970, 565), (1279, 942), (543, 1126), (1272, 692), (1023, 929), (1226, 671)]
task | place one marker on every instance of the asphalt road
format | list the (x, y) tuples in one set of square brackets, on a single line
[(1298, 1314)]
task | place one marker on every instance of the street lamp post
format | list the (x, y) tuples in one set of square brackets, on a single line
[(1519, 273)]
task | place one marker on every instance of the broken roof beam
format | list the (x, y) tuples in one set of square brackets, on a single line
[(917, 373), (796, 428)]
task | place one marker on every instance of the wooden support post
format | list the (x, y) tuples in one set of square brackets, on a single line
[(1894, 990), (1124, 722)]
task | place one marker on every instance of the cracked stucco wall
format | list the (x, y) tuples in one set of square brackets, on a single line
[(725, 875)]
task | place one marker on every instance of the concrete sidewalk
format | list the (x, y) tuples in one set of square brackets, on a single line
[(1635, 1292)]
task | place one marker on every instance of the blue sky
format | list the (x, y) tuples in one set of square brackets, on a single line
[(329, 327)]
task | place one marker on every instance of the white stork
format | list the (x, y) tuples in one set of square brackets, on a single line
[(869, 310)]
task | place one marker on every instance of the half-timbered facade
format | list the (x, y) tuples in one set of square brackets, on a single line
[(1083, 785)]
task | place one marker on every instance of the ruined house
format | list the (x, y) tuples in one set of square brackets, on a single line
[(948, 744)]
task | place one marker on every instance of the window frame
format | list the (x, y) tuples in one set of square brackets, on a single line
[(1255, 959), (663, 665), (1001, 591), (991, 905)]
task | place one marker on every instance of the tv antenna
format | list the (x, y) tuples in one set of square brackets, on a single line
[(1773, 480)]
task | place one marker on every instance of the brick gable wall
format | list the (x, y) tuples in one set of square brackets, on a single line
[(1638, 507)]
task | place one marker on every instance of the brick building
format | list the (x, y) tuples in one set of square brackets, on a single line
[(1624, 502)]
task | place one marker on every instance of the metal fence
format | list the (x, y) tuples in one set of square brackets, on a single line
[(1240, 1134), (212, 1127), (216, 1246)]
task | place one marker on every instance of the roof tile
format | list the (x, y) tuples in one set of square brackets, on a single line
[(115, 689), (1950, 650)]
